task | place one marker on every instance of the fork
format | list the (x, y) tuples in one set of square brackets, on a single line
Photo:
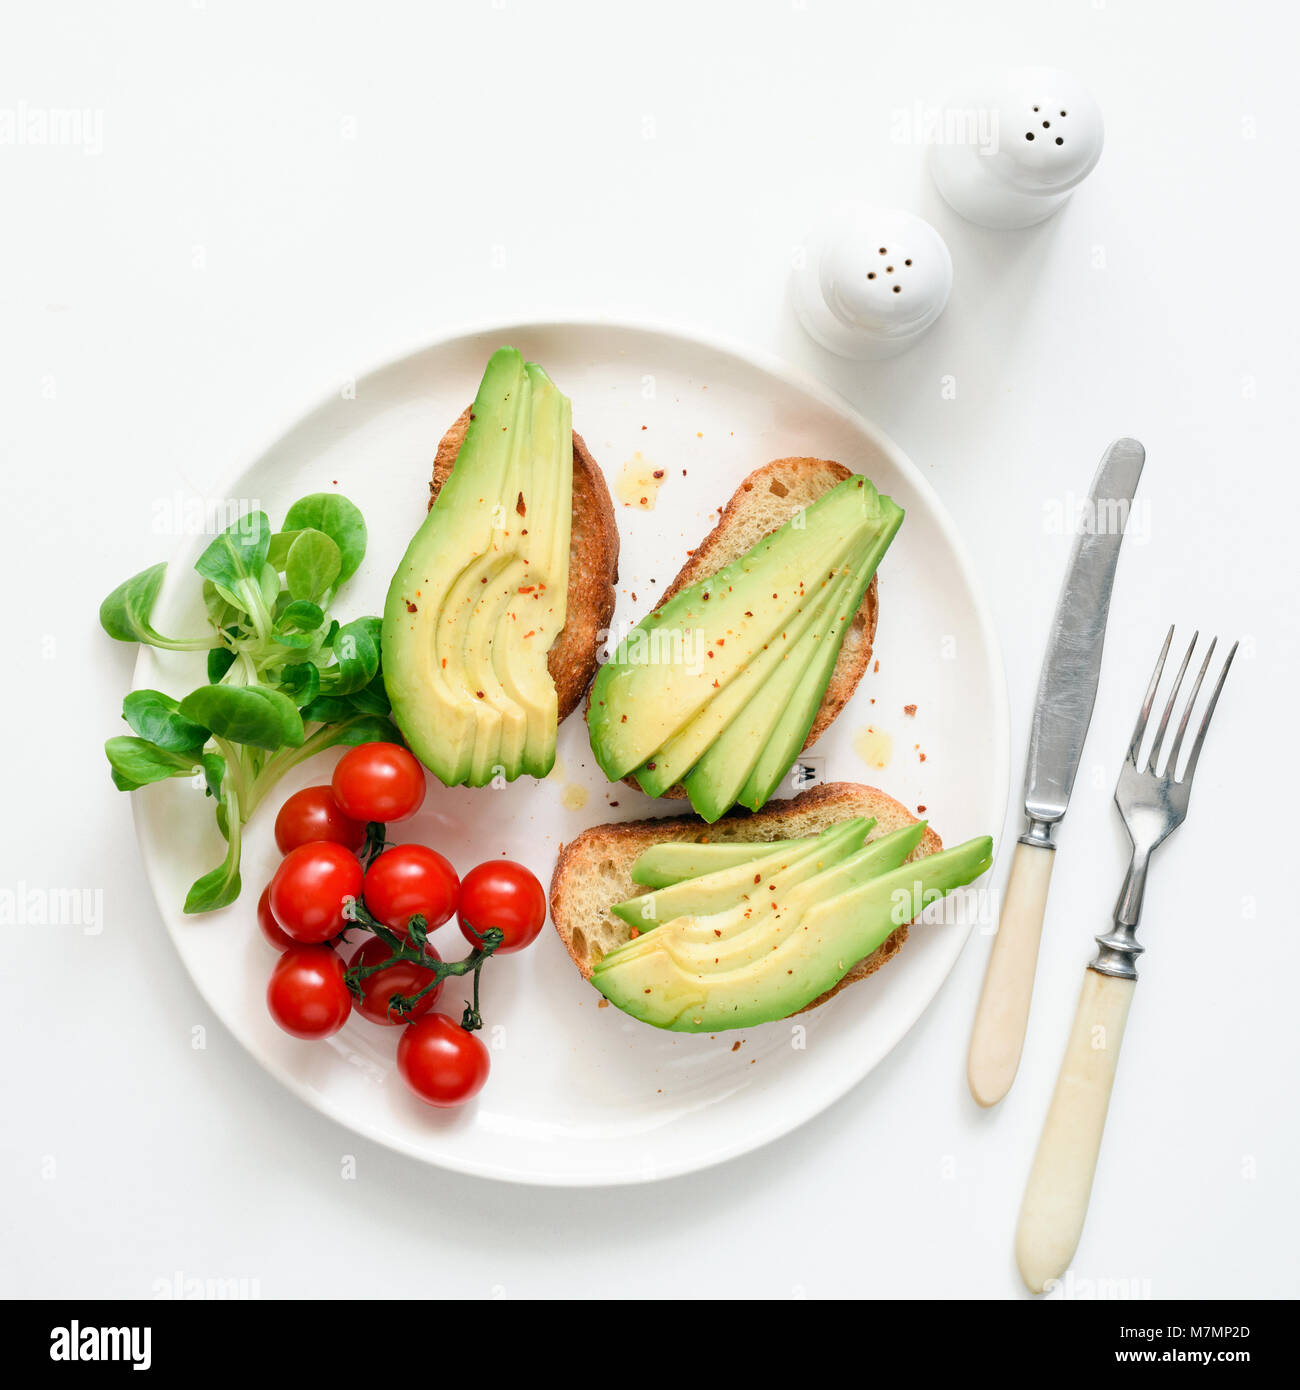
[(1152, 804)]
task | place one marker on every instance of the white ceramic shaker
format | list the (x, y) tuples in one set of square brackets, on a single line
[(870, 282), (1015, 148)]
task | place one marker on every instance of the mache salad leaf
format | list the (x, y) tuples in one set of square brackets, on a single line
[(284, 680)]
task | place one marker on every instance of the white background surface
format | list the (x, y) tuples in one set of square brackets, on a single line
[(286, 195)]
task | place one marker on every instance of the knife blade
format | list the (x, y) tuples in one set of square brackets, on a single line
[(1067, 684), (1067, 690)]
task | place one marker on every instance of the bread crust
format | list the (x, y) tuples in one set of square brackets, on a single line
[(593, 567), (825, 804), (718, 549)]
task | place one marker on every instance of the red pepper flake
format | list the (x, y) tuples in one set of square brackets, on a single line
[(444, 663), (922, 757), (613, 803), (920, 810), (876, 667), (410, 607), (758, 878), (650, 767), (717, 931), (658, 473), (532, 632), (643, 427), (735, 1047), (479, 693), (910, 711)]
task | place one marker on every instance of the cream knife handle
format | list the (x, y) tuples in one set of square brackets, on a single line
[(1056, 1196), (999, 1032)]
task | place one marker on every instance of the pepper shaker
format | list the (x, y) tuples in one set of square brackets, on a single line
[(1040, 137)]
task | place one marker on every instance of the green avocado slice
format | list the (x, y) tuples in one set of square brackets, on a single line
[(480, 594), (734, 886), (803, 697), (810, 956), (662, 865), (716, 780), (730, 938), (644, 694), (675, 759)]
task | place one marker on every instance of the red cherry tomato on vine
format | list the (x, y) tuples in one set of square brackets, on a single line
[(312, 814), (307, 995), (442, 1063), (408, 879), (402, 977), (502, 894), (267, 924), (310, 890), (378, 781)]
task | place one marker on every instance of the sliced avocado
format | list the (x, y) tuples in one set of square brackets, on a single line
[(480, 594), (715, 782), (732, 939), (675, 759), (803, 698), (744, 932), (660, 866), (646, 693), (800, 960), (731, 887)]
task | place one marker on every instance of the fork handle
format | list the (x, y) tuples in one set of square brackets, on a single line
[(999, 1032), (1060, 1182)]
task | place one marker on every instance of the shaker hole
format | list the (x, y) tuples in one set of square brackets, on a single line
[(897, 288), (1059, 141), (1029, 135)]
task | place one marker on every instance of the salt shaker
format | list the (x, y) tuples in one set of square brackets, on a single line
[(1017, 147), (871, 282)]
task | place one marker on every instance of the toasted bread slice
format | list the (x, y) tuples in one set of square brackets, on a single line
[(767, 499), (593, 567), (595, 871)]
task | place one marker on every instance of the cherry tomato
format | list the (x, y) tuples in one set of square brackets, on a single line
[(408, 879), (403, 977), (312, 814), (310, 890), (442, 1063), (308, 996), (378, 781), (270, 928), (502, 894)]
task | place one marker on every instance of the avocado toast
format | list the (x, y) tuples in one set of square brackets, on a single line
[(494, 616), (755, 646), (594, 871)]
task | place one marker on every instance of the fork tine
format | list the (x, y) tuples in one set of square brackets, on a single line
[(1172, 766), (1205, 718), (1146, 703), (1169, 705)]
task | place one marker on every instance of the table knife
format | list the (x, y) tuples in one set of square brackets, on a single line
[(1067, 688)]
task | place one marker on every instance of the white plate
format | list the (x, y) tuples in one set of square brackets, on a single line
[(581, 1095)]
